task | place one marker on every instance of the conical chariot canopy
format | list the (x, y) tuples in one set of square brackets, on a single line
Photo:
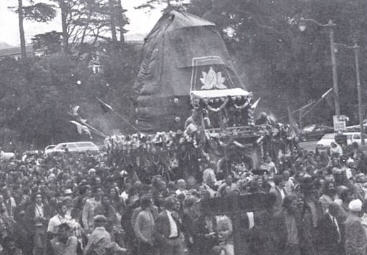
[(183, 55)]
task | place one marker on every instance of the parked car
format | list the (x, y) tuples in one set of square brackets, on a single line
[(314, 132), (71, 147), (350, 137), (6, 155), (49, 149)]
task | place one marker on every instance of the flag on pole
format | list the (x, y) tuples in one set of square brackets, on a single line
[(75, 110), (81, 128), (327, 93), (105, 107), (292, 122), (328, 96), (254, 105)]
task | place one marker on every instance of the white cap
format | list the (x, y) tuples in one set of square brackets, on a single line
[(355, 205), (92, 170), (68, 192)]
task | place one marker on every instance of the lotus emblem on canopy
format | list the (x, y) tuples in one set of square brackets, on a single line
[(212, 80)]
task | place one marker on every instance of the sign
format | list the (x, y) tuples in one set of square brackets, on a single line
[(340, 122)]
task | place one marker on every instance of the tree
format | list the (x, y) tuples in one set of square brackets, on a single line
[(48, 43), (35, 11), (88, 21), (122, 21), (282, 64), (21, 29)]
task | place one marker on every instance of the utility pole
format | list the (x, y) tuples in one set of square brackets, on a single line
[(359, 91), (330, 25), (355, 49), (334, 68)]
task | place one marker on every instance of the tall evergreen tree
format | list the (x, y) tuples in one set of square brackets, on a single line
[(32, 11)]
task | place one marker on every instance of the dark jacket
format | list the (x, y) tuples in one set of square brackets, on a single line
[(30, 216), (162, 227), (280, 236), (205, 243), (329, 240), (355, 236)]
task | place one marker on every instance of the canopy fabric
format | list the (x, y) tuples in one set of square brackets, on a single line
[(168, 67), (220, 93)]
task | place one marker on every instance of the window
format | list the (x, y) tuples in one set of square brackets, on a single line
[(85, 144), (357, 137), (329, 136)]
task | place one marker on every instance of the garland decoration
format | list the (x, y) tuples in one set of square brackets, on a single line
[(240, 107), (212, 109)]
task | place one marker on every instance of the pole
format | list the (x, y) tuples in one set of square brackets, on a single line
[(360, 115), (335, 75), (125, 120), (300, 119)]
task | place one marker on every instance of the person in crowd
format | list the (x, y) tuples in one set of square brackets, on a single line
[(311, 214), (288, 182), (209, 182), (10, 247), (224, 230), (269, 166), (56, 220), (144, 227), (330, 233), (205, 233), (168, 230), (118, 186), (335, 149), (106, 208), (328, 195), (345, 196), (278, 190), (355, 235), (189, 220), (89, 208), (9, 203), (99, 242), (288, 228), (37, 216), (22, 233), (181, 187), (64, 243), (228, 187)]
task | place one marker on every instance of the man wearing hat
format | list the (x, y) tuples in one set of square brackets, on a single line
[(355, 235)]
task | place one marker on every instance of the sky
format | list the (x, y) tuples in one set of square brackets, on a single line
[(141, 22)]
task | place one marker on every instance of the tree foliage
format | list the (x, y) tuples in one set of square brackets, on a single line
[(40, 12), (283, 65), (36, 96), (48, 43)]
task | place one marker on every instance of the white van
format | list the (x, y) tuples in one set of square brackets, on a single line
[(72, 147)]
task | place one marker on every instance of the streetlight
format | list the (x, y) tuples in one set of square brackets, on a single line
[(330, 25), (355, 49)]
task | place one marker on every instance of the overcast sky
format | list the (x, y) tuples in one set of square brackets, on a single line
[(141, 21)]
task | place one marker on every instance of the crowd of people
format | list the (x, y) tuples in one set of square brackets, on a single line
[(82, 204)]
